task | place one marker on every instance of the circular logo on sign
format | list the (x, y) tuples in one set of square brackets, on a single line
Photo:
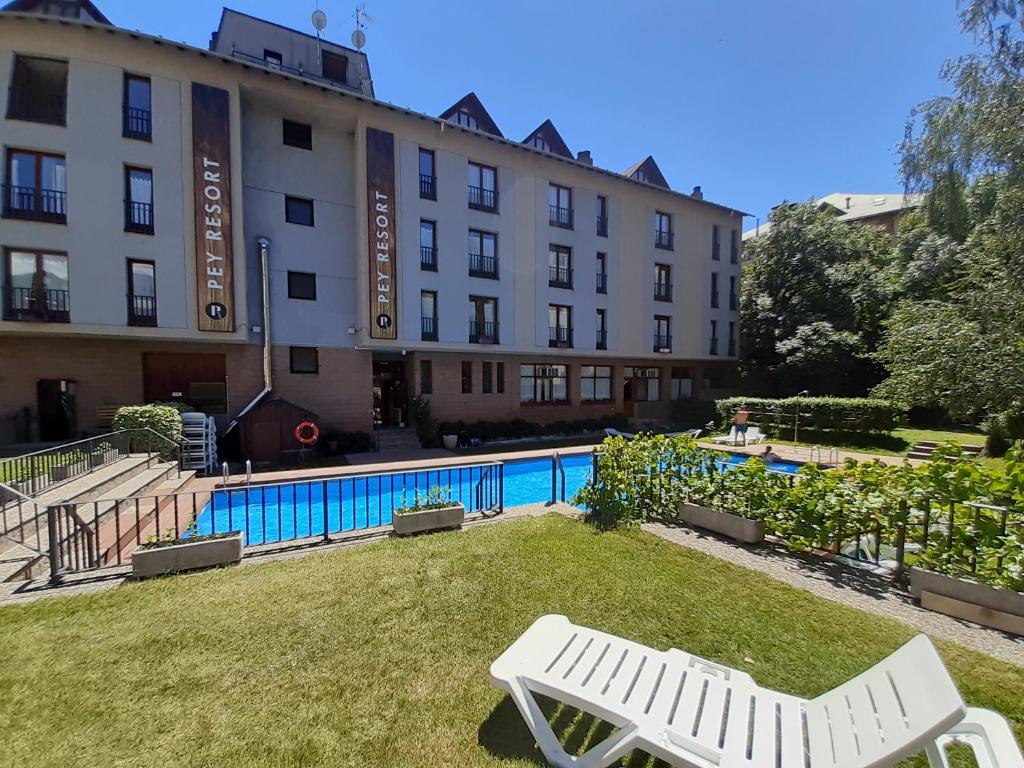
[(383, 321), (216, 311)]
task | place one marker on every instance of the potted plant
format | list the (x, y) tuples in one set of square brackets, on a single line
[(332, 440), (432, 511), (60, 472), (964, 598), (98, 456), (450, 442), (168, 554), (724, 500)]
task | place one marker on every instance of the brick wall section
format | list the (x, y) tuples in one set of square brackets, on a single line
[(341, 394)]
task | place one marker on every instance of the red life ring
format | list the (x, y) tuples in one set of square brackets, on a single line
[(307, 439)]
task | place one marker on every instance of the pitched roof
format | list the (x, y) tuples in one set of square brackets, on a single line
[(851, 206), (651, 172), (472, 104), (550, 134), (29, 6)]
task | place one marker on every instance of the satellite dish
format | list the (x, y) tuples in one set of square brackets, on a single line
[(358, 39), (319, 20)]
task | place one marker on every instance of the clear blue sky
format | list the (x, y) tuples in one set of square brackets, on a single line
[(756, 101)]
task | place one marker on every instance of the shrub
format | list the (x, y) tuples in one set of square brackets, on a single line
[(520, 428), (1001, 431), (691, 413), (426, 430), (161, 419), (178, 406), (824, 413)]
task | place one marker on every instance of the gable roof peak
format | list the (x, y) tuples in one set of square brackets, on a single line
[(550, 136), (471, 105)]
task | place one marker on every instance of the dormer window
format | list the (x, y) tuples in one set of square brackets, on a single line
[(335, 67), (463, 117), (641, 176), (273, 59), (539, 143)]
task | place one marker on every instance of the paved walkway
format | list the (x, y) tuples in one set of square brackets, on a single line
[(803, 453)]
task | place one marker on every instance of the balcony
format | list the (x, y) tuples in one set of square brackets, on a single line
[(662, 342), (602, 340), (36, 107), (663, 291), (142, 310), (428, 328), (560, 337), (481, 199), (663, 239), (602, 226), (138, 217), (560, 217), (481, 332), (34, 204), (716, 250), (483, 266), (734, 302), (560, 277), (428, 258), (138, 124), (713, 348), (39, 306), (428, 187), (602, 282), (734, 255), (714, 300)]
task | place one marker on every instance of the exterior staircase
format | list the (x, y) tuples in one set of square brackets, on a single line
[(923, 451), (397, 439)]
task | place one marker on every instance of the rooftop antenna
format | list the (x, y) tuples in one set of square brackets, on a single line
[(319, 20), (358, 35)]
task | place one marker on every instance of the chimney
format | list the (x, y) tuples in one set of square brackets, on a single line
[(697, 194), (847, 203), (583, 156)]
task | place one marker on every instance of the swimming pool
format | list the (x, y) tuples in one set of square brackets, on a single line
[(285, 512)]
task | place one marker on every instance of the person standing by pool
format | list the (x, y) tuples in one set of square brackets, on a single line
[(740, 423)]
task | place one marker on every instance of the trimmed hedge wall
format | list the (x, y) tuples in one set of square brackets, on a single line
[(693, 414), (162, 419), (519, 428), (863, 414)]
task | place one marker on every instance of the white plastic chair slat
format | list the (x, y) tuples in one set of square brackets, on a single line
[(764, 738), (847, 748), (693, 694), (617, 690), (792, 752), (597, 662), (669, 695), (645, 688), (709, 724), (868, 728), (890, 717)]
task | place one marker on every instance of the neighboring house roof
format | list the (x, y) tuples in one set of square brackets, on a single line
[(30, 6), (850, 206), (647, 171), (472, 104), (550, 134)]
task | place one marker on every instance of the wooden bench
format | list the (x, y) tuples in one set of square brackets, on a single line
[(105, 415)]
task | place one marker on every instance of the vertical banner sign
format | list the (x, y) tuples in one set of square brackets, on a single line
[(211, 152), (380, 205)]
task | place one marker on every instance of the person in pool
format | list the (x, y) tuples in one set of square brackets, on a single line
[(768, 456)]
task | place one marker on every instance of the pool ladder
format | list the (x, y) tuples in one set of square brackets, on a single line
[(833, 455), (557, 473)]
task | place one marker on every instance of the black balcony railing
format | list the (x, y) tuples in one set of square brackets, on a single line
[(483, 199), (560, 277), (662, 239), (602, 226), (662, 342), (428, 328), (602, 340), (734, 255), (713, 349), (734, 301), (37, 107), (716, 250), (481, 332), (559, 336), (714, 301), (560, 217), (483, 266), (602, 282), (428, 187), (663, 291), (36, 204), (138, 217), (428, 258), (138, 124), (732, 347), (40, 306), (142, 310)]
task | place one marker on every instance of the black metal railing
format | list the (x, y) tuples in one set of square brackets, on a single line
[(42, 306), (662, 239), (138, 217), (138, 124), (36, 107), (560, 277), (663, 291), (560, 217), (428, 187), (36, 204), (602, 226), (716, 250), (713, 347), (559, 336), (734, 255), (428, 328), (482, 199), (483, 266), (481, 332), (734, 302), (428, 258), (602, 282), (714, 300), (602, 340), (662, 342), (142, 310)]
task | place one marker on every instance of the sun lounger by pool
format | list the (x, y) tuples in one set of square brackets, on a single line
[(694, 433), (753, 437), (692, 712)]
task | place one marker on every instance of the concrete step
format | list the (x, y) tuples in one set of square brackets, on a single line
[(402, 438), (18, 562), (919, 455)]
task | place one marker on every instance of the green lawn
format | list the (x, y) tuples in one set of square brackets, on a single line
[(895, 443), (378, 655)]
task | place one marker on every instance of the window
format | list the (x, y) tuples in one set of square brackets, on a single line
[(716, 245), (272, 58), (36, 187), (483, 189), (662, 282), (602, 329), (428, 315), (559, 206), (559, 326), (602, 272), (487, 377), (39, 90), (464, 117), (302, 285), (733, 298), (483, 320), (663, 230), (141, 293), (298, 135), (714, 290), (499, 371), (642, 385), (138, 200), (602, 216), (640, 176), (713, 349), (662, 333), (682, 384), (538, 142), (595, 382), (467, 377), (483, 254), (36, 286), (428, 245), (714, 378), (304, 359), (732, 339), (543, 384), (734, 246), (426, 377), (137, 109), (559, 266), (208, 396), (428, 178), (335, 67), (298, 210)]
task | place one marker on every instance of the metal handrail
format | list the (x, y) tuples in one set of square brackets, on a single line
[(6, 507), (366, 473), (557, 470)]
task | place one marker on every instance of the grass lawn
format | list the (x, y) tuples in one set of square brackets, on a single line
[(378, 656), (895, 443)]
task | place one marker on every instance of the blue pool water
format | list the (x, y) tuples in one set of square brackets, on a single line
[(298, 510)]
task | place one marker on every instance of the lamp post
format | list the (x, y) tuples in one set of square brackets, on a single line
[(796, 415)]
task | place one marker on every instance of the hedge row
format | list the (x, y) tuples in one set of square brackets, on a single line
[(849, 413), (519, 428)]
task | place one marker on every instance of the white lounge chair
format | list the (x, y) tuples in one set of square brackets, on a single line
[(753, 436), (695, 713), (615, 433)]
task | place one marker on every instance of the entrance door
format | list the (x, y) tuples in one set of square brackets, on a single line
[(390, 394), (55, 400), (628, 387)]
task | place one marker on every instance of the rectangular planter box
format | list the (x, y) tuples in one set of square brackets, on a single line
[(430, 520), (971, 600), (96, 459), (733, 526), (187, 557), (59, 473)]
